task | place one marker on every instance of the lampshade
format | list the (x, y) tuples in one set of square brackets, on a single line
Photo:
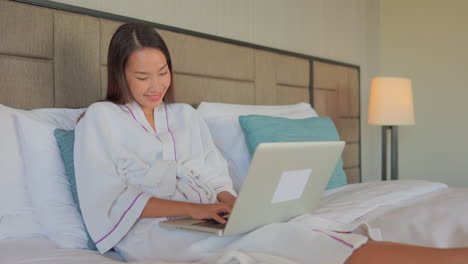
[(391, 102)]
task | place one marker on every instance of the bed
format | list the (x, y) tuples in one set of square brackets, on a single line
[(61, 60)]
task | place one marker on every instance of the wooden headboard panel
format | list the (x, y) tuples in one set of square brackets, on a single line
[(51, 57), (336, 94)]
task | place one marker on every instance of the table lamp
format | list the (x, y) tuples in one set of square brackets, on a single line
[(390, 105)]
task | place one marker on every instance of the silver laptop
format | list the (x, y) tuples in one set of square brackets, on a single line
[(284, 180)]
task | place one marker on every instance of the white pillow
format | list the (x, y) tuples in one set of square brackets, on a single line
[(227, 133), (64, 118), (47, 184), (17, 218), (210, 110), (13, 198), (16, 212)]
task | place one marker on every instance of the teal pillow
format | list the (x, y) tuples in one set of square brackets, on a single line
[(258, 129), (65, 140)]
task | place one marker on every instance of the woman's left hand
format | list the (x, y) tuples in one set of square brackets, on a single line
[(227, 197)]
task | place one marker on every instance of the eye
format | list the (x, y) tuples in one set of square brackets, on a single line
[(142, 79), (163, 73)]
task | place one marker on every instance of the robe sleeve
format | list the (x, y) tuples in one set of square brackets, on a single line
[(215, 172), (109, 206)]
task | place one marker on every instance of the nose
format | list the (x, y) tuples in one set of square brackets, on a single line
[(156, 86)]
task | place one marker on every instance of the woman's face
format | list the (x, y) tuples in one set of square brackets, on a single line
[(148, 77)]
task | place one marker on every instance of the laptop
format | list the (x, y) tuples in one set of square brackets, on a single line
[(284, 180)]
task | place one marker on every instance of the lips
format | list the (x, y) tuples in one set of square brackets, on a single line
[(153, 97)]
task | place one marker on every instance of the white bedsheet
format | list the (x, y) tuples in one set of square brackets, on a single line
[(40, 250), (350, 202), (417, 212)]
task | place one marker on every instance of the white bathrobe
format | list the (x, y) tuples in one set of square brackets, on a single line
[(121, 162)]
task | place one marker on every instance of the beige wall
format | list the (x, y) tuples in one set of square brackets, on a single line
[(344, 30), (427, 41)]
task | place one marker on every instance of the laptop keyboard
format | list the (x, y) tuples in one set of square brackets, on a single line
[(211, 223)]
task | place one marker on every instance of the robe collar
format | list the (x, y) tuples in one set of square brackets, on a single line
[(160, 117), (161, 121)]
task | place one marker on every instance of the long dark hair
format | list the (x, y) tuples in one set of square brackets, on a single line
[(126, 39)]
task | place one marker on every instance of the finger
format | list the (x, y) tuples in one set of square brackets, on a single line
[(219, 219), (224, 210), (223, 214)]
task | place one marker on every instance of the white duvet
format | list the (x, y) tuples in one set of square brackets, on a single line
[(438, 219), (417, 212)]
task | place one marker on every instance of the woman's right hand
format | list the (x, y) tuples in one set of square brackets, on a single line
[(210, 211)]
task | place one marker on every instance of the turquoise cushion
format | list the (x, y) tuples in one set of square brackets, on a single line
[(65, 140), (258, 129)]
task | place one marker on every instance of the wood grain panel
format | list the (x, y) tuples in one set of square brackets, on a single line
[(291, 95), (265, 78), (336, 94), (325, 103), (351, 155), (348, 94), (329, 76), (343, 92), (108, 27), (77, 70), (26, 83), (353, 175), (26, 30), (353, 80), (205, 57), (348, 128), (193, 90), (170, 38), (292, 71)]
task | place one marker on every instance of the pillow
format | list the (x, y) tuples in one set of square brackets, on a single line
[(16, 210), (222, 120), (13, 197), (210, 110), (65, 140), (47, 185), (64, 118), (258, 129)]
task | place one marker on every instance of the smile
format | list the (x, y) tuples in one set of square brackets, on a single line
[(154, 97)]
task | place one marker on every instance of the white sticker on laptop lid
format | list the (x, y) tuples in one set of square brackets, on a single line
[(291, 185)]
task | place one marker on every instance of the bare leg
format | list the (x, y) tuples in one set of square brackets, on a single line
[(391, 253)]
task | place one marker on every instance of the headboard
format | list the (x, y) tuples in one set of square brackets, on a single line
[(55, 55)]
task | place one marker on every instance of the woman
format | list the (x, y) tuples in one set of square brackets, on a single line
[(140, 159)]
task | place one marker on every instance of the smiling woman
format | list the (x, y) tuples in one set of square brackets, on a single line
[(140, 52), (157, 176), (139, 68), (148, 78)]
